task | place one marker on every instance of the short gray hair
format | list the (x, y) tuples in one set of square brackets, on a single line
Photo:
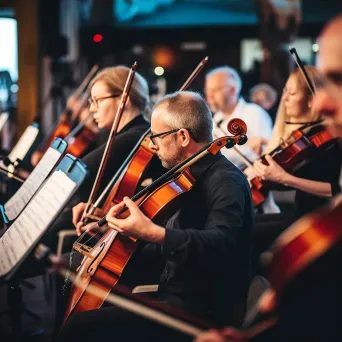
[(231, 74), (186, 109)]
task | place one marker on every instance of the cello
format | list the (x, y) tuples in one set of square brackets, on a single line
[(106, 261)]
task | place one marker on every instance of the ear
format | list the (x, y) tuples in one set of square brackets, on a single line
[(185, 137), (232, 91)]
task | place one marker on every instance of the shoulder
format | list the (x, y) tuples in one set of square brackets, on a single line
[(224, 174)]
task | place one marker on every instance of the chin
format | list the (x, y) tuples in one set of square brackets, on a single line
[(166, 165)]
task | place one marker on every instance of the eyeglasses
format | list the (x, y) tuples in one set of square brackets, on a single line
[(153, 136), (95, 101)]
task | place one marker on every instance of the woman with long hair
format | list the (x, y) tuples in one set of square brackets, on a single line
[(317, 181)]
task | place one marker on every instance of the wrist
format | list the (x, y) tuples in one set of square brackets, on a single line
[(158, 234), (287, 179)]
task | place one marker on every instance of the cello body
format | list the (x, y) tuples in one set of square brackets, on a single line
[(79, 144)]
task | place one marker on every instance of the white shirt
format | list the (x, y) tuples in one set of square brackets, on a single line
[(259, 124)]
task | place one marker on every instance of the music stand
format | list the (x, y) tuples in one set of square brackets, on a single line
[(12, 208), (55, 192), (17, 155)]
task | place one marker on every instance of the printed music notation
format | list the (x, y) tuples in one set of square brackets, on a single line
[(34, 220), (18, 201)]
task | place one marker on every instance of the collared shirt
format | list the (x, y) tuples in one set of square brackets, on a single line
[(259, 124), (208, 240)]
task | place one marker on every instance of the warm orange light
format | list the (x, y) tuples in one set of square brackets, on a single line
[(164, 57)]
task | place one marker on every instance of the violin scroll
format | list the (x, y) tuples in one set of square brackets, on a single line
[(238, 128)]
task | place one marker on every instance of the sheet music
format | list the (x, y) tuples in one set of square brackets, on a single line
[(3, 119), (18, 201), (21, 148), (34, 220)]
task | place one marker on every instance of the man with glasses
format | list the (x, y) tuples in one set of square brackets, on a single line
[(204, 248)]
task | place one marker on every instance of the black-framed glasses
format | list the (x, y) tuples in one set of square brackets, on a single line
[(94, 101), (153, 136)]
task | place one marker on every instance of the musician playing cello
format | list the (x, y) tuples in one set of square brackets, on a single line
[(205, 245), (105, 91)]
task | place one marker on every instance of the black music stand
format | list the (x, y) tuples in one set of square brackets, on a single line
[(76, 171)]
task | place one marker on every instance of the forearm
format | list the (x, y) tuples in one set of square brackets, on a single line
[(322, 189), (157, 234)]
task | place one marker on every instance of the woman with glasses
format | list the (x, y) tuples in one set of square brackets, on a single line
[(105, 91), (105, 94)]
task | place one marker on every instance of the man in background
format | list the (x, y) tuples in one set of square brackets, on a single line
[(222, 90)]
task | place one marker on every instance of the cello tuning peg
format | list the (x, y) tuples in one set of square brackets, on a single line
[(242, 139), (230, 143)]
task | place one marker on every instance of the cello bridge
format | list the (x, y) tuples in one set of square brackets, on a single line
[(82, 249)]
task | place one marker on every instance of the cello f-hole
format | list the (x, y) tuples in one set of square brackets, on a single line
[(101, 247)]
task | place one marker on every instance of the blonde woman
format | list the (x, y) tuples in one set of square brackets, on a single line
[(105, 95), (317, 181)]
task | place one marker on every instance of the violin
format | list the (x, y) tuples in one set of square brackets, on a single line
[(106, 261), (301, 244), (297, 151), (128, 177)]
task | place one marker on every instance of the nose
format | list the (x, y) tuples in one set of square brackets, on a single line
[(208, 94), (92, 108), (152, 146)]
